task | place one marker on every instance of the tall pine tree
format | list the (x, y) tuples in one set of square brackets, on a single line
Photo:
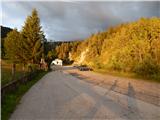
[(33, 38)]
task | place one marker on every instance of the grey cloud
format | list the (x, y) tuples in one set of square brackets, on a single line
[(77, 20)]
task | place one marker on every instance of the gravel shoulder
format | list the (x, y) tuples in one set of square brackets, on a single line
[(143, 90)]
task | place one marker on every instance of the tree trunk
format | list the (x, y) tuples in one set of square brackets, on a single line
[(23, 69), (32, 61)]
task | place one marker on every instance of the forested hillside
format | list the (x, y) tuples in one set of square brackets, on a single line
[(131, 47), (4, 32)]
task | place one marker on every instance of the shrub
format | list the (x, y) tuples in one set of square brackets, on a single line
[(147, 67)]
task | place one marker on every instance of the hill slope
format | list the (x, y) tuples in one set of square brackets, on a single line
[(131, 47)]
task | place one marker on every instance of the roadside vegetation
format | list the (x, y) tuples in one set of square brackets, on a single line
[(126, 48), (23, 52), (26, 47)]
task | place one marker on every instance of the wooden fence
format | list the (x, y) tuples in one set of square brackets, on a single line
[(12, 86)]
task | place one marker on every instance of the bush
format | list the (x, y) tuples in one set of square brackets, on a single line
[(32, 67), (147, 67)]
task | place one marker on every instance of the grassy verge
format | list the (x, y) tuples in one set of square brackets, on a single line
[(6, 72), (130, 75), (12, 99), (6, 76)]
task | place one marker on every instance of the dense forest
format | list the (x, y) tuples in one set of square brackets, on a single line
[(130, 47)]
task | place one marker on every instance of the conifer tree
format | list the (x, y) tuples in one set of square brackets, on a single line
[(33, 38)]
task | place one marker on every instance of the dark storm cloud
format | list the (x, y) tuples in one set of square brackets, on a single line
[(77, 20)]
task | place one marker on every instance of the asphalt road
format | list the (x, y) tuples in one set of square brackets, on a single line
[(59, 96)]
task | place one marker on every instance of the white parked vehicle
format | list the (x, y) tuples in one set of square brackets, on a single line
[(57, 62)]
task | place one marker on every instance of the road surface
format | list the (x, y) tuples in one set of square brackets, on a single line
[(144, 90), (59, 96)]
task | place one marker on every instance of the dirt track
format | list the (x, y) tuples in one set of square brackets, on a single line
[(60, 95)]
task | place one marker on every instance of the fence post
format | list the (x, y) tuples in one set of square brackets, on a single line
[(13, 70)]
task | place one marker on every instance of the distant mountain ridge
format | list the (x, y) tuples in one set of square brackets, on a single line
[(5, 31)]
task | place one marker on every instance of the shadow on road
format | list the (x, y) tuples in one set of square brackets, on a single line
[(78, 76), (112, 87), (132, 103)]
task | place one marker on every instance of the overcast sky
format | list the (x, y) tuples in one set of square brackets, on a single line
[(76, 20)]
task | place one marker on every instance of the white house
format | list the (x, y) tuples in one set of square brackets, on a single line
[(57, 62)]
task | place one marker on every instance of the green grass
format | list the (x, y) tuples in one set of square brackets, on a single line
[(154, 78), (6, 75), (6, 72), (12, 99)]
